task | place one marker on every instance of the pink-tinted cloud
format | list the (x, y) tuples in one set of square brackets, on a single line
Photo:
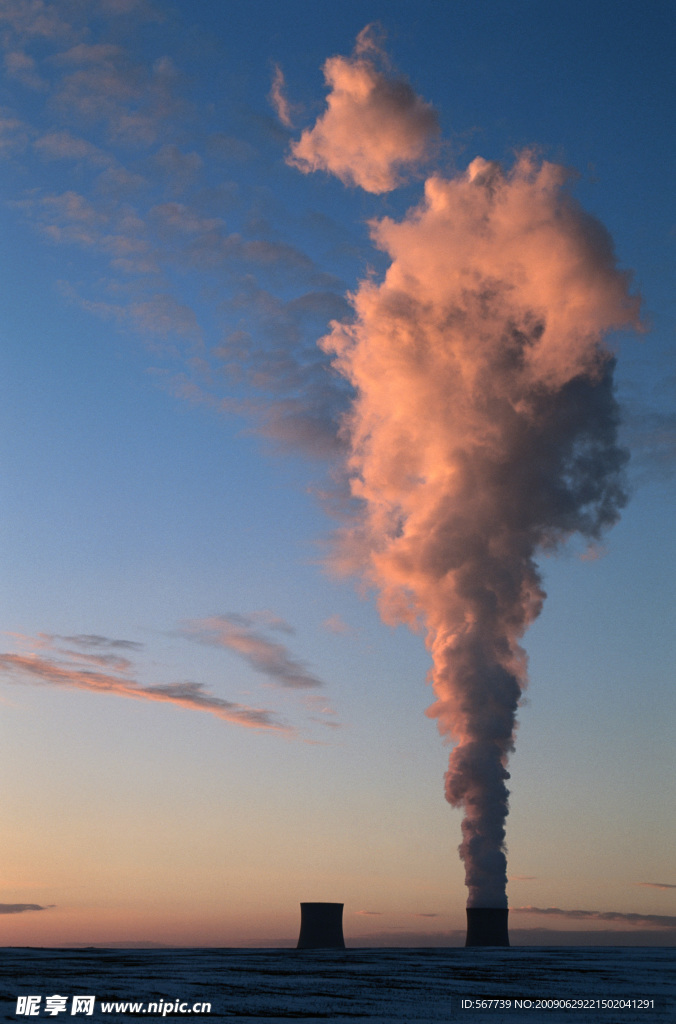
[(278, 98), (483, 430), (242, 635), (21, 66), (374, 128), (70, 217), (656, 885), (321, 711), (95, 54), (81, 670), (162, 316), (180, 168), (336, 624), (100, 83), (183, 219), (114, 231), (14, 133), (34, 19), (616, 917), (93, 651), (183, 387), (116, 182), (61, 145)]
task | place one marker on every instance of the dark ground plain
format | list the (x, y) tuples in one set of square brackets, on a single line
[(381, 986)]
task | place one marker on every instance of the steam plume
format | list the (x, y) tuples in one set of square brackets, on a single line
[(483, 430)]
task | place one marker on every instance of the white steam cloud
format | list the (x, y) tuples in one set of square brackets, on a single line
[(483, 428)]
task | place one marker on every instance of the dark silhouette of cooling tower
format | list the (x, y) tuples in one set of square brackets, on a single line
[(487, 926), (321, 926)]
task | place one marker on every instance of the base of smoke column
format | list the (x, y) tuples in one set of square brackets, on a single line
[(321, 926), (487, 926)]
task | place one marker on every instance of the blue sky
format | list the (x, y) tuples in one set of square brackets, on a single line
[(170, 470)]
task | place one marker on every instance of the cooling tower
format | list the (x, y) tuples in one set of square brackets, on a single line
[(487, 926), (321, 926)]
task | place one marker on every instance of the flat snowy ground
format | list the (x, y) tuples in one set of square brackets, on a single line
[(384, 986)]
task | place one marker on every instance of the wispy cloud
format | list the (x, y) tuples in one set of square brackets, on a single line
[(19, 908), (34, 19), (82, 670), (95, 54), (62, 145), (147, 208), (656, 885), (321, 710), (278, 98), (614, 916), (21, 66), (180, 168), (336, 624), (120, 236), (14, 133), (97, 642), (277, 358), (230, 149), (243, 635), (99, 651), (101, 85), (651, 433), (177, 217), (164, 317)]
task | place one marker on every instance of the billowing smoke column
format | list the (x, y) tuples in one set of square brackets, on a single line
[(483, 431)]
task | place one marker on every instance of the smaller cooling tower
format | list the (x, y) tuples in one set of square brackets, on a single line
[(487, 926), (321, 926)]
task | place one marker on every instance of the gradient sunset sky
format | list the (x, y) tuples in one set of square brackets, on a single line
[(202, 724)]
